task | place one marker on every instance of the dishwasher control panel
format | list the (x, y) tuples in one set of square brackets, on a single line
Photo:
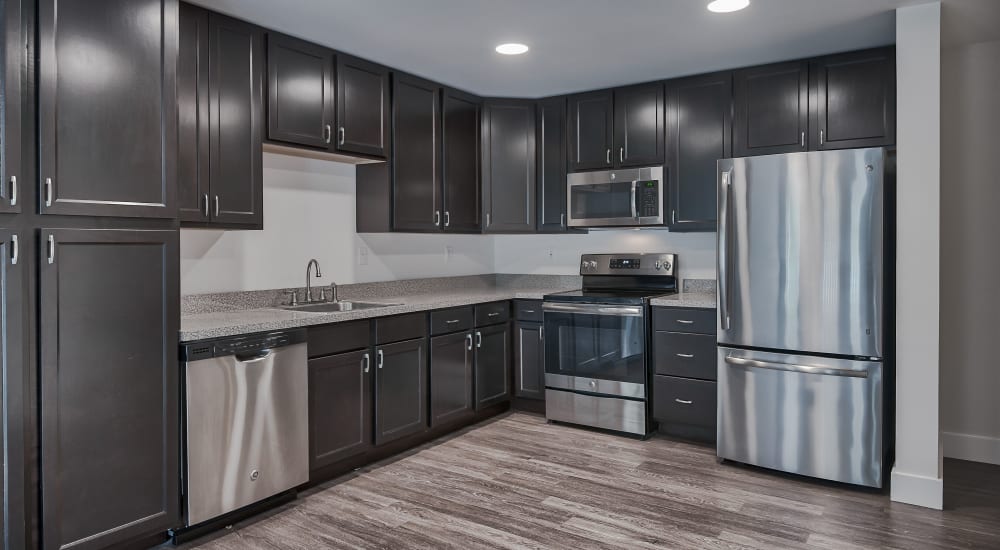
[(240, 345)]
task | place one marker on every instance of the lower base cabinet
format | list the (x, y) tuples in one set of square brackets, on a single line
[(492, 365), (685, 407), (400, 389), (529, 361), (451, 377), (340, 407)]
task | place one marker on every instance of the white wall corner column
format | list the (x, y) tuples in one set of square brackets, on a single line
[(917, 473)]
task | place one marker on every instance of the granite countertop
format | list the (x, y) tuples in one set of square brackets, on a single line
[(687, 299), (201, 326)]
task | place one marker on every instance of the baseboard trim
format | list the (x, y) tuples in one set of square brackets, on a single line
[(917, 490), (977, 448)]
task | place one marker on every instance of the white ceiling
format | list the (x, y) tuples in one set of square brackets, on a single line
[(575, 44)]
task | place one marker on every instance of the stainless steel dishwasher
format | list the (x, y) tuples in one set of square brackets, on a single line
[(246, 421)]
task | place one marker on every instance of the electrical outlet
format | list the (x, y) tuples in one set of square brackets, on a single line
[(449, 251), (551, 255), (362, 255)]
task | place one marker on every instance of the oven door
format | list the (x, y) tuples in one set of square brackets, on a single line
[(594, 348)]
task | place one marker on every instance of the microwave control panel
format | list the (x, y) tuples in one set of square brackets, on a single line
[(647, 198)]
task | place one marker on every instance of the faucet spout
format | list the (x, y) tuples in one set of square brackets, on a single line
[(312, 263)]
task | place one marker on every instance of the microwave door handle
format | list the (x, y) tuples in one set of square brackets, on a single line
[(635, 211)]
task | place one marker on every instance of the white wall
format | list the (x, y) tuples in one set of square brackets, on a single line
[(916, 475), (970, 254)]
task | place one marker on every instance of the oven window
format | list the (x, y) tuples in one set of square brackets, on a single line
[(605, 347), (601, 201)]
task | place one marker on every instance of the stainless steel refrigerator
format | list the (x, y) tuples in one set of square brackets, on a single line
[(801, 379)]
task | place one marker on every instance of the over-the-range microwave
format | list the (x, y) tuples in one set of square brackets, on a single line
[(631, 197)]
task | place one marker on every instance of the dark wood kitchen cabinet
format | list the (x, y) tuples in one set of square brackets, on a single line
[(509, 166), (340, 407), (12, 400), (855, 100), (590, 130), (451, 377), (529, 360), (400, 389), (107, 133), (416, 121), (638, 125), (109, 435), (460, 136), (699, 133), (193, 188), (492, 348), (771, 109), (684, 363), (300, 88), (550, 141), (13, 63), (362, 107)]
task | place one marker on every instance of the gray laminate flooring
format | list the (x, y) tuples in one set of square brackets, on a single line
[(518, 482)]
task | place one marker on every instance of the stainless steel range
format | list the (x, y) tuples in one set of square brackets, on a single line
[(596, 356)]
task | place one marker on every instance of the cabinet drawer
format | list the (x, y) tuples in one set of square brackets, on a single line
[(685, 407), (686, 355), (451, 320), (528, 310), (400, 327), (493, 313), (684, 319), (338, 338)]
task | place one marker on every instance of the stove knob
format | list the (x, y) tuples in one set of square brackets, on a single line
[(666, 266), (593, 264), (659, 264)]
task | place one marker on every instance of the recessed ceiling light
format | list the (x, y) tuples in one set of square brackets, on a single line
[(726, 6), (512, 49)]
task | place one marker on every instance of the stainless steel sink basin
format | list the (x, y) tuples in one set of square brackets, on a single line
[(333, 307)]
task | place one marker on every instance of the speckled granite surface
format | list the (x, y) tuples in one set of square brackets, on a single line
[(687, 299), (704, 286), (215, 315)]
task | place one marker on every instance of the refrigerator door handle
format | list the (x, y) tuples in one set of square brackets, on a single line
[(724, 254), (793, 367)]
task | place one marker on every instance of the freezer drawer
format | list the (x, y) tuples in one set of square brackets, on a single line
[(813, 416)]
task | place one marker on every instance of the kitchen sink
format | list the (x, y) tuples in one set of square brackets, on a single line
[(333, 307)]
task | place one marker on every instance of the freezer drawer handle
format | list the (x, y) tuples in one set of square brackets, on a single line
[(792, 367)]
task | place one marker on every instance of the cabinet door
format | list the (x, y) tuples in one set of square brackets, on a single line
[(107, 124), (12, 399), (492, 365), (460, 174), (551, 143), (13, 63), (451, 377), (529, 366), (108, 322), (509, 166), (415, 154), (699, 133), (362, 106), (340, 411), (772, 111), (400, 390), (638, 126), (855, 100), (192, 116), (300, 105), (591, 119), (236, 104)]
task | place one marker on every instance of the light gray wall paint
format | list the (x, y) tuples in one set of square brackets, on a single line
[(970, 251)]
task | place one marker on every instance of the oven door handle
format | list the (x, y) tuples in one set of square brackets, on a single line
[(594, 309)]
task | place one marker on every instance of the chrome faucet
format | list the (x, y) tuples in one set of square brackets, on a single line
[(333, 292), (309, 291)]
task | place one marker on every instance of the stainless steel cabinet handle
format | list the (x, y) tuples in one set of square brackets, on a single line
[(381, 358), (682, 401), (447, 218), (327, 133), (528, 310), (451, 322), (205, 196), (494, 314), (541, 333), (821, 137), (51, 249), (562, 220), (609, 156), (13, 190), (218, 208), (437, 218), (793, 367), (48, 191), (673, 216), (479, 339), (366, 360), (685, 322), (468, 340), (488, 222), (685, 355), (15, 251), (802, 139), (621, 154), (342, 135)]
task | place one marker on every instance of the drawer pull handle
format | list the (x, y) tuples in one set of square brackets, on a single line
[(682, 401), (452, 322), (494, 314), (685, 322), (685, 355), (528, 310)]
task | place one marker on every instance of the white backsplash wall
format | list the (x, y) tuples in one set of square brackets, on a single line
[(560, 254), (309, 213)]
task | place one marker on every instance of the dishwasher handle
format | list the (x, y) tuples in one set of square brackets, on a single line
[(254, 357)]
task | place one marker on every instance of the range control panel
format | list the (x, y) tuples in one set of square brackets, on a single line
[(628, 264)]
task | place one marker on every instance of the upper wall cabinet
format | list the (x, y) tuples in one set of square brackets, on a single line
[(699, 133), (220, 152), (772, 109), (416, 118), (300, 85), (550, 141), (461, 194), (362, 107), (638, 131), (591, 122), (107, 127), (509, 166), (855, 96), (12, 64)]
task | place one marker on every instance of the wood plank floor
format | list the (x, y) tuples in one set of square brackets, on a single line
[(518, 482)]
